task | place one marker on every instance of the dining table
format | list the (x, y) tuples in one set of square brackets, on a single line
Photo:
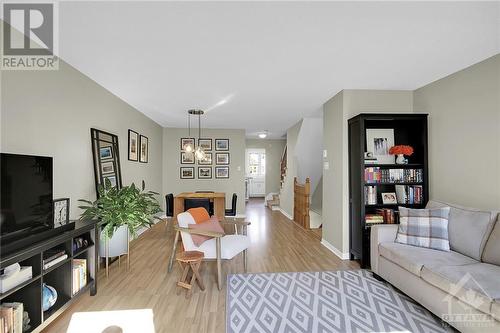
[(218, 199)]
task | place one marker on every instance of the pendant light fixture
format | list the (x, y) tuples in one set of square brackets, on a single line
[(189, 148), (199, 154)]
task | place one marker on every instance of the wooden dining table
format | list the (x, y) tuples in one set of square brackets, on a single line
[(218, 198)]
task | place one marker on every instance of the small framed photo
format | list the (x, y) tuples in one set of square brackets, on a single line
[(378, 142), (133, 146), (187, 173), (111, 178), (207, 160), (187, 158), (204, 172), (222, 144), (389, 198), (205, 144), (106, 153), (187, 141), (222, 158), (144, 152), (107, 167), (61, 212), (222, 172)]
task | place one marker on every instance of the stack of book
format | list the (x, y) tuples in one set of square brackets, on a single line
[(374, 219), (79, 274), (373, 175), (388, 215), (11, 317), (370, 195), (53, 257), (371, 160), (409, 194)]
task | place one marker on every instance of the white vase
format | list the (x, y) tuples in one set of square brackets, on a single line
[(400, 159), (117, 244)]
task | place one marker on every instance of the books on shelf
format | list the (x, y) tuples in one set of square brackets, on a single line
[(79, 274), (374, 219), (12, 317), (389, 215), (409, 194), (52, 255), (54, 261), (379, 175), (370, 195)]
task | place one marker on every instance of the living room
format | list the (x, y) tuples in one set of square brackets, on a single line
[(388, 113)]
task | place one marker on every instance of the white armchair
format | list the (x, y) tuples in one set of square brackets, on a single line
[(219, 247)]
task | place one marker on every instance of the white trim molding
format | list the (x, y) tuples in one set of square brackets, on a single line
[(343, 256), (285, 213)]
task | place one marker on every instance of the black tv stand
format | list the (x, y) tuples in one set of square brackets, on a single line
[(59, 276)]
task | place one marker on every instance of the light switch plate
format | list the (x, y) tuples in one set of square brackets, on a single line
[(325, 153)]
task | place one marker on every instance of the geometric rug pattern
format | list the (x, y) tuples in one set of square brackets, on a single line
[(340, 301)]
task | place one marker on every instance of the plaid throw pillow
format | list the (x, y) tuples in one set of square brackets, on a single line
[(424, 228)]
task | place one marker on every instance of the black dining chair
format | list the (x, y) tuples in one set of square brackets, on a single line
[(211, 211), (232, 211), (169, 205), (197, 202)]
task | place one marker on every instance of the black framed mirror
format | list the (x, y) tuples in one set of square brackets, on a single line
[(106, 156)]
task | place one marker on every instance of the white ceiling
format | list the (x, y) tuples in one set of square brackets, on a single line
[(273, 63)]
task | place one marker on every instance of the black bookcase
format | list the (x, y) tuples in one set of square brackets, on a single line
[(409, 129)]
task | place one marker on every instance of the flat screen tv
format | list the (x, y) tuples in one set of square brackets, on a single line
[(26, 197)]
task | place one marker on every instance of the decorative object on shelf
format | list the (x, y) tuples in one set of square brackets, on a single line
[(13, 275), (144, 151), (133, 144), (130, 207), (207, 160), (378, 142), (49, 297), (222, 158), (389, 198), (61, 212), (204, 172), (205, 144), (106, 145), (222, 172), (401, 151), (369, 159), (222, 144), (187, 158), (187, 173), (106, 153)]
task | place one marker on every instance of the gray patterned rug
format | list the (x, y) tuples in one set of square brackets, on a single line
[(342, 301)]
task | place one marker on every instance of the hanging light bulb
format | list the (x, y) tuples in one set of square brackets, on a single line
[(189, 147), (199, 154)]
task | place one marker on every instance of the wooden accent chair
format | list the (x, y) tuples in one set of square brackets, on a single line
[(220, 247)]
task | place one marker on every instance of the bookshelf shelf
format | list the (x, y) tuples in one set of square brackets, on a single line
[(56, 266), (367, 181)]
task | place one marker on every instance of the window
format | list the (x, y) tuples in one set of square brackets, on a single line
[(256, 163)]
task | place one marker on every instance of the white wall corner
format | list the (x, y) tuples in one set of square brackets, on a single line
[(343, 256), (288, 216)]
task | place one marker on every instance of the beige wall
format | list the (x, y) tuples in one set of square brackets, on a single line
[(236, 182), (274, 151), (286, 195), (51, 112), (464, 135)]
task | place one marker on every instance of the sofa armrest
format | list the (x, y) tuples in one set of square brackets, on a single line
[(382, 233)]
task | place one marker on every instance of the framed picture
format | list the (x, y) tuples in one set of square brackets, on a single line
[(106, 153), (378, 142), (187, 173), (187, 158), (107, 167), (204, 172), (207, 160), (61, 212), (187, 141), (133, 146), (222, 172), (222, 158), (111, 178), (222, 144), (389, 198), (206, 144), (144, 151)]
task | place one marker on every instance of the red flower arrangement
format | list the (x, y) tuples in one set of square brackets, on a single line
[(401, 149)]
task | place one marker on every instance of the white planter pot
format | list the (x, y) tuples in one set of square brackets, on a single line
[(118, 244)]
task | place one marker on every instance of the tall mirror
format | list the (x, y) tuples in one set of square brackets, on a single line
[(106, 158)]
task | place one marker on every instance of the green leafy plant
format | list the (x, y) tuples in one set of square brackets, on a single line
[(128, 206)]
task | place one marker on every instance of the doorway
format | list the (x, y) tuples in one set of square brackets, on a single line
[(255, 161)]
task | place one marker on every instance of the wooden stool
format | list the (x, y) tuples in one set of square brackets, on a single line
[(190, 260)]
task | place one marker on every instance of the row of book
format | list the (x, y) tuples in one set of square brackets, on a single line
[(375, 175), (79, 274), (13, 318), (384, 215), (53, 257), (370, 195), (409, 194)]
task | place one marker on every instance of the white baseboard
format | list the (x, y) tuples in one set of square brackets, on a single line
[(343, 256), (275, 208), (238, 216), (285, 213)]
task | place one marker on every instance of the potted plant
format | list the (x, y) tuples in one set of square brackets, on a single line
[(401, 151), (123, 212)]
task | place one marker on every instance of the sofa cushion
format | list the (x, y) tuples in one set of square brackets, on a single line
[(468, 228), (211, 225), (424, 227), (495, 309), (412, 258), (491, 253), (474, 284)]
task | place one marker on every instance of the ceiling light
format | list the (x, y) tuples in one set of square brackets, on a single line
[(263, 135), (199, 154)]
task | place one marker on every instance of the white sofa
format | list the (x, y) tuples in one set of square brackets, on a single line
[(461, 286)]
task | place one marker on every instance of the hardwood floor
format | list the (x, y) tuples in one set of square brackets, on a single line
[(278, 245)]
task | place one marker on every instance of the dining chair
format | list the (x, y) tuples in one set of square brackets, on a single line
[(169, 205), (197, 202), (232, 211), (220, 247)]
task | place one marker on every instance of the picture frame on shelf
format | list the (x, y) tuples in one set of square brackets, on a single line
[(378, 142), (187, 158), (222, 159), (133, 146), (107, 167), (204, 172), (222, 144), (389, 198), (222, 172), (207, 160), (186, 141), (187, 172), (106, 153), (205, 144), (144, 149), (61, 212)]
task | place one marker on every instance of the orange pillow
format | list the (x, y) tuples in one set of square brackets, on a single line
[(211, 225), (199, 214)]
